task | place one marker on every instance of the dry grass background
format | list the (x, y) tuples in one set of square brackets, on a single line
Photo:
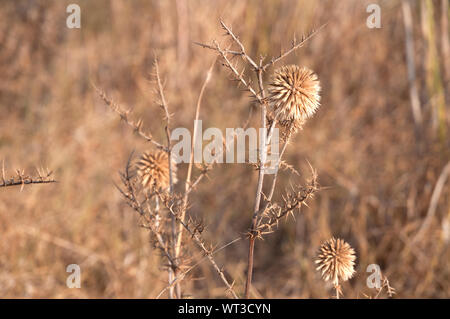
[(377, 175)]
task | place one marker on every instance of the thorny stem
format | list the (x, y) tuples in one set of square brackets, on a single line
[(201, 244), (241, 46), (263, 149), (25, 181), (251, 249), (182, 275), (124, 116), (236, 73), (172, 272), (21, 179), (295, 45), (258, 213), (270, 214)]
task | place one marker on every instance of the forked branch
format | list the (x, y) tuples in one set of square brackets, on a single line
[(136, 125)]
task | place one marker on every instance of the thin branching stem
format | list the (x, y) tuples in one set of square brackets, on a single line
[(164, 106), (136, 125), (263, 153), (188, 186), (195, 235), (295, 45)]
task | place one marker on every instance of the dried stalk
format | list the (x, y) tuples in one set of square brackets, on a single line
[(188, 187), (295, 45), (20, 179), (163, 104), (263, 152), (183, 274), (137, 126), (409, 44), (273, 213), (433, 203), (195, 234)]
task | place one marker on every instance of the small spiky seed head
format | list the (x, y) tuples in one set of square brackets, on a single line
[(336, 261), (294, 95), (153, 170)]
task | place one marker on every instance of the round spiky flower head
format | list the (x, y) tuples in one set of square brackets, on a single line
[(294, 95), (336, 260), (153, 169)]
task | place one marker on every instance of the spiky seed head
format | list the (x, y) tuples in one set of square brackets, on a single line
[(336, 261), (153, 170), (294, 95)]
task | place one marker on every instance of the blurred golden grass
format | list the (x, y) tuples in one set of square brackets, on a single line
[(378, 175)]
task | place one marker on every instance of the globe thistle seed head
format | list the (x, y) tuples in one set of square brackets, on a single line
[(294, 94), (153, 170), (336, 261)]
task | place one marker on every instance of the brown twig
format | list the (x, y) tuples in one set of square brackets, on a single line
[(295, 45), (20, 179), (244, 55), (273, 213), (263, 150), (124, 116), (409, 48), (433, 203), (188, 186), (183, 274), (164, 106), (195, 235)]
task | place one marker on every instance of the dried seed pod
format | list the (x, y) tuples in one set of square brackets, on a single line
[(294, 95), (153, 169), (336, 261)]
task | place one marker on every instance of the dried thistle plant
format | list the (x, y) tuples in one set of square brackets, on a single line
[(336, 261), (294, 95), (148, 189), (154, 171)]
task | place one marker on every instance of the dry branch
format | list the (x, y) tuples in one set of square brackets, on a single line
[(295, 45), (136, 125), (195, 234), (20, 179)]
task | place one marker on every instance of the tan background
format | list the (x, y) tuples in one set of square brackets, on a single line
[(377, 181)]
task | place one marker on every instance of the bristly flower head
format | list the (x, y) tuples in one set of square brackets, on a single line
[(336, 261), (153, 169), (294, 95)]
